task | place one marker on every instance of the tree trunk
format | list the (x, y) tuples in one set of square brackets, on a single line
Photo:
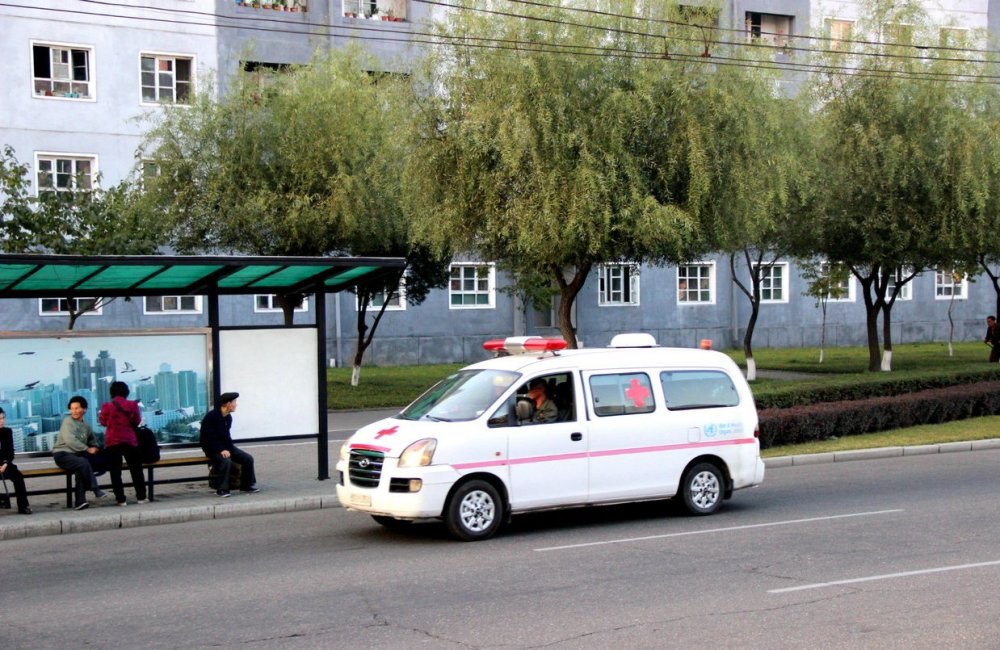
[(365, 333), (568, 291), (951, 325), (995, 279), (872, 309), (822, 329), (289, 303), (753, 295)]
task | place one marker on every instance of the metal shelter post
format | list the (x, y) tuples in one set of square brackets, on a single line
[(213, 324), (323, 439)]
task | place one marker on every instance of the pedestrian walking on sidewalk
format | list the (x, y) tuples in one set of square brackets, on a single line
[(120, 416), (73, 444), (8, 470), (217, 443), (992, 338)]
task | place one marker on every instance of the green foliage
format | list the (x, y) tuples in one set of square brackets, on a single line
[(113, 221), (555, 163), (849, 418)]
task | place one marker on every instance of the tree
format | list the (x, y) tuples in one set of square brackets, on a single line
[(85, 220), (309, 162), (824, 286), (757, 149), (543, 151), (896, 170)]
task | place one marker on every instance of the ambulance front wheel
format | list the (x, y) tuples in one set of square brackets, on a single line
[(474, 512), (702, 489)]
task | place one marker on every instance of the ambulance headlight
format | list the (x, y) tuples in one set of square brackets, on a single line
[(419, 454), (345, 451)]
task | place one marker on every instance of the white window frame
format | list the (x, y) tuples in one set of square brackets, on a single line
[(944, 290), (159, 57), (273, 307), (686, 278), (52, 81), (491, 281), (622, 275), (397, 302), (55, 158), (849, 278), (65, 312), (766, 277), (906, 291), (174, 311)]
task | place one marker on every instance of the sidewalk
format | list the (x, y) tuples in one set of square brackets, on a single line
[(287, 475)]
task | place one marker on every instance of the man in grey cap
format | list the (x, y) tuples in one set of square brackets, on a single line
[(217, 443)]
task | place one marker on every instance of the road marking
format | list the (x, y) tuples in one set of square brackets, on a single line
[(788, 522), (885, 576)]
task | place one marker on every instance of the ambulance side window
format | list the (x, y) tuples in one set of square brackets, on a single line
[(698, 389), (621, 394)]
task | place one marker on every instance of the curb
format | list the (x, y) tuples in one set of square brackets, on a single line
[(879, 452), (133, 519)]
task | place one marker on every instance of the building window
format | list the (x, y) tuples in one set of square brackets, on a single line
[(949, 284), (62, 70), (61, 306), (165, 79), (397, 299), (774, 283), (696, 283), (839, 33), (385, 10), (906, 290), (842, 286), (953, 37), (618, 284), (172, 305), (267, 303), (65, 172), (898, 34), (770, 29), (472, 286)]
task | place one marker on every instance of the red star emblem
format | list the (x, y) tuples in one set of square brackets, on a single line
[(389, 432), (637, 393)]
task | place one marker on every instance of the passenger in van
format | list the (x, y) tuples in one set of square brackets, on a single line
[(545, 409)]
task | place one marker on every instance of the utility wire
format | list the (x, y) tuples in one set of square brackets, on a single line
[(526, 46)]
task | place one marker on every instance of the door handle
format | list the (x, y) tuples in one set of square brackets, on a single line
[(576, 436)]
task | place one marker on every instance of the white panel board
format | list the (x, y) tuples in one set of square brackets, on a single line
[(274, 371)]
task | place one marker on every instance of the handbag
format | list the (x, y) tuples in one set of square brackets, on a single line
[(5, 497), (149, 446), (98, 462), (215, 477)]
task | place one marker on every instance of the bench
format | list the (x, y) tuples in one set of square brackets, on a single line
[(151, 480)]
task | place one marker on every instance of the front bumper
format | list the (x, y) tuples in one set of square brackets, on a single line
[(428, 502)]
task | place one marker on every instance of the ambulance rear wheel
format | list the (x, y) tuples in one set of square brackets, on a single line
[(702, 489), (475, 511)]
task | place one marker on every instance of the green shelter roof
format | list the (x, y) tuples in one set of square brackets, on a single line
[(69, 276)]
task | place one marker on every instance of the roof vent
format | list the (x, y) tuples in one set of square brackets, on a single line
[(633, 340)]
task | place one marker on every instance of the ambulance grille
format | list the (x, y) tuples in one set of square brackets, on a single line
[(365, 468)]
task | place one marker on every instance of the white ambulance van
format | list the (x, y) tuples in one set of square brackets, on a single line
[(630, 422)]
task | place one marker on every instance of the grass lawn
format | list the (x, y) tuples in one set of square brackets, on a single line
[(382, 387)]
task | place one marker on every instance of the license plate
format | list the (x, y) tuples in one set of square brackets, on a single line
[(361, 499)]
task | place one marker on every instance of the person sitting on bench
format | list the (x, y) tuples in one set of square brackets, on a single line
[(8, 470), (217, 443), (75, 442)]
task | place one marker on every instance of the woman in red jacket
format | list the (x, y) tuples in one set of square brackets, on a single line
[(119, 417)]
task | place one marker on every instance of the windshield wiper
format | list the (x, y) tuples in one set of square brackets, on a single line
[(433, 418)]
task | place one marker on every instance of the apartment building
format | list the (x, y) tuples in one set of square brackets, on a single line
[(81, 76)]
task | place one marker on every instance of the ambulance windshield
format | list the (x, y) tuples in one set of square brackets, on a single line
[(465, 395)]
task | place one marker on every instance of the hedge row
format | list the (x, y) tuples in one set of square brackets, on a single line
[(784, 426), (789, 395)]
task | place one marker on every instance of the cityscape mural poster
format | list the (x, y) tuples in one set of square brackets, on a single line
[(167, 372)]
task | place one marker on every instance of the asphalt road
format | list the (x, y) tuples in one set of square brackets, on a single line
[(897, 553)]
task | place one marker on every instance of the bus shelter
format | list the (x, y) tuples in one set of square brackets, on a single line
[(237, 349)]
